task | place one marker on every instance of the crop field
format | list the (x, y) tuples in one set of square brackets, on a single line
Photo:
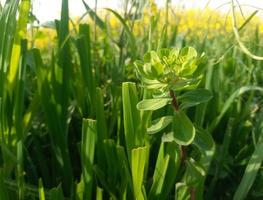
[(137, 103)]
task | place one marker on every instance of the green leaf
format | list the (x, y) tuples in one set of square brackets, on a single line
[(167, 165), (251, 171), (84, 51), (194, 97), (21, 31), (188, 57), (131, 116), (20, 91), (139, 157), (94, 16), (194, 172), (80, 189), (57, 193), (159, 173), (206, 145), (3, 190), (229, 102), (129, 33), (184, 131), (99, 193), (102, 128), (41, 190), (8, 32), (169, 137), (88, 142), (20, 170), (153, 104), (159, 124), (185, 84), (188, 53)]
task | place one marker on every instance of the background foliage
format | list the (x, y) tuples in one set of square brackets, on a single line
[(70, 127)]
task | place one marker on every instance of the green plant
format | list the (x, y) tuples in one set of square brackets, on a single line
[(166, 73), (171, 76)]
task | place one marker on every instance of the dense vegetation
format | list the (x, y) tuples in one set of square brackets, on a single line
[(140, 103)]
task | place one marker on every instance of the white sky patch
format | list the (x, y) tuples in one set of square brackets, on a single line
[(48, 10)]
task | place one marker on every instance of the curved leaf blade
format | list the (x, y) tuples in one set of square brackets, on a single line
[(229, 102), (153, 104), (194, 97), (184, 130), (159, 124)]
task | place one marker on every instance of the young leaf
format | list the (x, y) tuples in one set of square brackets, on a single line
[(184, 131), (159, 124), (153, 104), (194, 97)]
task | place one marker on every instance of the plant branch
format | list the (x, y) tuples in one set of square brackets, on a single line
[(174, 101)]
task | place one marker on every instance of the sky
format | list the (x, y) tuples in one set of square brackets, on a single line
[(48, 10)]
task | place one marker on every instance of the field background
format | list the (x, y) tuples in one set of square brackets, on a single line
[(69, 125)]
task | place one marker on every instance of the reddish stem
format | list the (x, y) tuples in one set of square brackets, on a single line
[(174, 101), (192, 193), (183, 153)]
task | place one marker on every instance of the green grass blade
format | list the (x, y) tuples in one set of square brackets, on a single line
[(80, 189), (102, 128), (112, 161), (206, 145), (57, 193), (8, 27), (64, 64), (131, 116), (21, 32), (41, 190), (159, 173), (124, 168), (30, 113), (89, 134), (20, 171), (84, 50), (165, 172), (130, 35), (229, 102), (99, 194), (52, 112), (251, 171), (3, 190), (94, 16), (138, 162), (20, 89)]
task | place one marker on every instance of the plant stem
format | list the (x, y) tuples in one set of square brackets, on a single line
[(174, 101), (192, 193), (183, 149)]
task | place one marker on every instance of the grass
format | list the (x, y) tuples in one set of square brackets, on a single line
[(122, 114)]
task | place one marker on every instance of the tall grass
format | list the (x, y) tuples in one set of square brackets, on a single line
[(82, 121)]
